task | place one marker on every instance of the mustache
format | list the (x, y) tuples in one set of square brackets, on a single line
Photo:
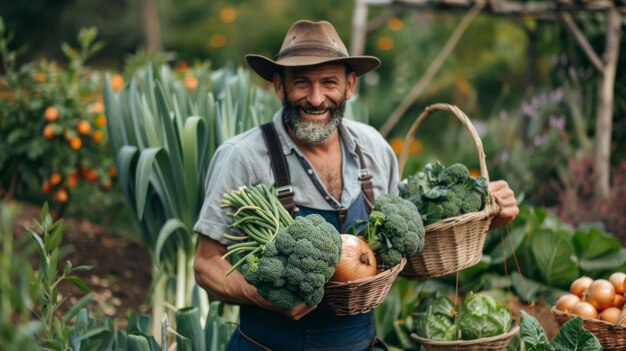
[(306, 106)]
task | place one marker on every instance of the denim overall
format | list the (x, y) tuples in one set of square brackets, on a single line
[(262, 329)]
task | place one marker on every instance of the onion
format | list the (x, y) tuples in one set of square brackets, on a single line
[(617, 279), (619, 301), (357, 260), (580, 285), (610, 315), (566, 302), (584, 309), (601, 294)]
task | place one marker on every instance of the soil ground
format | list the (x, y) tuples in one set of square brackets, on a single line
[(121, 278)]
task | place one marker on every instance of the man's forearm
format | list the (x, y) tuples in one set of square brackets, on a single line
[(210, 273)]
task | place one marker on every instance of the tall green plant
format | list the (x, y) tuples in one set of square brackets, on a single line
[(163, 132)]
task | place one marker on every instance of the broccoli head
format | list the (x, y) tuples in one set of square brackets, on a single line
[(451, 205), (401, 229), (471, 200), (455, 174), (298, 264)]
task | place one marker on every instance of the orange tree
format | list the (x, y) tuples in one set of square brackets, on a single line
[(52, 123)]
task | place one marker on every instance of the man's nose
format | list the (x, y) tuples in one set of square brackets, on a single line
[(316, 95)]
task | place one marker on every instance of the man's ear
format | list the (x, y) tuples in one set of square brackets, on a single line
[(279, 89), (350, 85)]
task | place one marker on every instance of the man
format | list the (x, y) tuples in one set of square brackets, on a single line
[(320, 164)]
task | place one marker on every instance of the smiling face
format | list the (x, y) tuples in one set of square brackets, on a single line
[(314, 99)]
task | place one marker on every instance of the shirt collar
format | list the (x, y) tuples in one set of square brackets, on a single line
[(287, 144)]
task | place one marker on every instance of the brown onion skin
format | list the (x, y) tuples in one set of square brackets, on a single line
[(617, 279), (610, 315), (357, 260), (584, 309), (601, 294), (580, 285), (566, 302)]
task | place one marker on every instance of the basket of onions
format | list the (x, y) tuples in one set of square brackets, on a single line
[(600, 303), (370, 263)]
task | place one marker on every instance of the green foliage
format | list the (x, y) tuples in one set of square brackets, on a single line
[(51, 123), (164, 127), (17, 331), (571, 337), (550, 255)]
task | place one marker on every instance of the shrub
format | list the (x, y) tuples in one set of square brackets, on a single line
[(52, 123)]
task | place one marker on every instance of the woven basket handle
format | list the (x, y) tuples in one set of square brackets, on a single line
[(410, 135)]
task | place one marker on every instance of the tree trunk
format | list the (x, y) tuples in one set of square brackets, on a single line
[(604, 118), (151, 25)]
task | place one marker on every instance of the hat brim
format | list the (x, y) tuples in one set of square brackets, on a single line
[(266, 68)]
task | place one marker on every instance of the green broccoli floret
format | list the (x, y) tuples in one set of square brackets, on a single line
[(401, 231), (307, 252), (471, 201), (282, 298), (455, 174), (451, 205)]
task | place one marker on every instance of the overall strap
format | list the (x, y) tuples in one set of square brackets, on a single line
[(279, 167), (364, 176)]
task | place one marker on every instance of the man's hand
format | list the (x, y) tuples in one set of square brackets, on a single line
[(210, 273), (297, 312), (505, 198)]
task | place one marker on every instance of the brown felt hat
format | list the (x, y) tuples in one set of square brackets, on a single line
[(310, 43)]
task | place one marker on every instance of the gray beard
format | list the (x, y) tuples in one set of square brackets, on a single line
[(312, 132)]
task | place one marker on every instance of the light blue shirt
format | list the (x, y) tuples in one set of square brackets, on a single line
[(244, 160)]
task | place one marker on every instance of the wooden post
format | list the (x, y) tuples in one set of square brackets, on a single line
[(604, 118)]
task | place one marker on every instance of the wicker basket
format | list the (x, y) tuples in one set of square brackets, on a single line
[(455, 243), (362, 295), (494, 343), (611, 336)]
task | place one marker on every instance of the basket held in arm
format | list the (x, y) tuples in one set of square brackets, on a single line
[(454, 243)]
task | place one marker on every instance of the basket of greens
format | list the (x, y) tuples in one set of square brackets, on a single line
[(481, 324), (456, 208)]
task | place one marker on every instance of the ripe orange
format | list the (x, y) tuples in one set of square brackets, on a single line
[(51, 114), (101, 121), (75, 143), (83, 127), (91, 175), (191, 83), (111, 171), (55, 178), (49, 132), (96, 107), (40, 77), (46, 187), (117, 82), (60, 196), (71, 180), (97, 136)]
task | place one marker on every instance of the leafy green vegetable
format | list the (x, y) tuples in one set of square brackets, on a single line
[(481, 316), (440, 192), (571, 337), (435, 327)]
